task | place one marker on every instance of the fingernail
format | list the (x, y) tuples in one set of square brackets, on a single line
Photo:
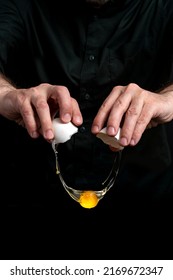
[(35, 134), (132, 142), (49, 134), (123, 141), (111, 130), (95, 129), (67, 117), (78, 119)]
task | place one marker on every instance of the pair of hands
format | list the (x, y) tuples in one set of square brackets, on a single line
[(35, 107)]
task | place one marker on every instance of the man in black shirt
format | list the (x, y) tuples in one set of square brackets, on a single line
[(107, 63)]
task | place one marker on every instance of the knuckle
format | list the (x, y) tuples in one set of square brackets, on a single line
[(37, 97), (132, 86), (132, 111), (41, 104), (119, 88), (34, 91), (141, 121), (119, 103), (74, 100), (104, 105), (61, 89), (25, 112)]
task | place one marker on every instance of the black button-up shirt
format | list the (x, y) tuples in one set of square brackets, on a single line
[(90, 51)]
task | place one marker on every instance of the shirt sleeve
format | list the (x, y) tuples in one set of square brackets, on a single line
[(168, 19), (11, 32)]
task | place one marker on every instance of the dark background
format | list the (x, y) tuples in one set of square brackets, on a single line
[(40, 221)]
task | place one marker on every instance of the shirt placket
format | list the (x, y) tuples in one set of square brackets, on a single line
[(90, 64)]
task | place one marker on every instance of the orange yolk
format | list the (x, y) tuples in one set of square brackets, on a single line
[(88, 199)]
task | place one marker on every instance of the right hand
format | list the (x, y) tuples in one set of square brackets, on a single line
[(34, 108)]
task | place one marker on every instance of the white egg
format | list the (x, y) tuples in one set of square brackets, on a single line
[(63, 131), (112, 141)]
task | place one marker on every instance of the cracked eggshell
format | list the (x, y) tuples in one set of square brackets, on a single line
[(112, 141), (63, 131)]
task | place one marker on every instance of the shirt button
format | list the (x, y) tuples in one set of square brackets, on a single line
[(87, 96), (95, 17), (91, 57), (82, 129)]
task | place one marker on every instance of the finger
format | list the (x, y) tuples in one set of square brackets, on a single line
[(39, 100), (117, 113), (131, 117), (61, 97), (141, 124), (103, 112), (120, 107), (68, 107), (76, 113), (65, 103), (29, 121)]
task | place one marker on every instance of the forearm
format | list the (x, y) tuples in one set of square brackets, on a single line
[(167, 89), (167, 93), (5, 87)]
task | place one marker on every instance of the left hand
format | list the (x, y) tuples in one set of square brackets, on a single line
[(134, 109)]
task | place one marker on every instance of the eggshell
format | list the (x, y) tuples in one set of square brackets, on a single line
[(110, 140), (63, 131)]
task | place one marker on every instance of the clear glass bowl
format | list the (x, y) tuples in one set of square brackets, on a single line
[(89, 198)]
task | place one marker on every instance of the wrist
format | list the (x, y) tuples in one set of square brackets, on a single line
[(5, 88)]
